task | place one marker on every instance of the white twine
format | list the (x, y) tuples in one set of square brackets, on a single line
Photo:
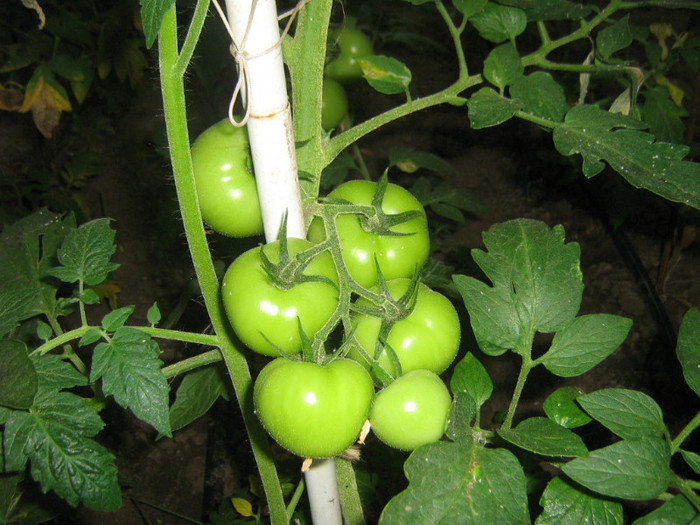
[(242, 57)]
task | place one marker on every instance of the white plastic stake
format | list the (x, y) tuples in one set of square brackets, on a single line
[(270, 118), (274, 159)]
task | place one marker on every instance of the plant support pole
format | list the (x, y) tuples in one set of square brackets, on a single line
[(273, 150)]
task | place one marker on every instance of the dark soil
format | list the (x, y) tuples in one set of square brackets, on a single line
[(511, 170)]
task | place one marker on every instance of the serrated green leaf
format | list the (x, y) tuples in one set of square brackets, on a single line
[(636, 469), (18, 379), (85, 253), (676, 511), (470, 376), (545, 437), (627, 413), (469, 7), (197, 393), (385, 74), (53, 437), (130, 370), (540, 95), (614, 138), (53, 373), (537, 285), (614, 37), (460, 483), (564, 504), (27, 250), (557, 10), (116, 319), (498, 23), (688, 348), (503, 66), (152, 13), (561, 407), (584, 343), (487, 108)]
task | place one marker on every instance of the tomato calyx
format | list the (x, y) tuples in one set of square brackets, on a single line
[(380, 223), (289, 271)]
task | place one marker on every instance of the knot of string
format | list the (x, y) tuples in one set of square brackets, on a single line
[(241, 56)]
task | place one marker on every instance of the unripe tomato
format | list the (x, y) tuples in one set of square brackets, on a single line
[(428, 338), (412, 411), (263, 314), (313, 410), (398, 255), (223, 174), (352, 44), (334, 104)]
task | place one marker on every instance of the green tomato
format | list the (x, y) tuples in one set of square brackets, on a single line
[(412, 411), (352, 44), (263, 314), (398, 255), (428, 338), (334, 104), (223, 174), (312, 410)]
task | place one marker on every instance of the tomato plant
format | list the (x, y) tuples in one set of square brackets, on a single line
[(264, 313), (313, 410), (352, 44), (334, 104), (226, 188), (411, 411), (428, 338), (399, 249)]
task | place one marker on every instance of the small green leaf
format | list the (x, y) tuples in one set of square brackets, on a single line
[(90, 296), (560, 406), (627, 413), (130, 370), (502, 66), (545, 437), (91, 336), (630, 469), (470, 376), (688, 348), (85, 253), (614, 37), (487, 108), (460, 483), (540, 95), (197, 393), (385, 74), (584, 343), (116, 319), (459, 423), (564, 504), (676, 511), (43, 330), (152, 13), (692, 460), (18, 379), (153, 315), (498, 23)]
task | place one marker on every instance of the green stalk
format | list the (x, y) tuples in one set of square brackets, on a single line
[(174, 105), (683, 434)]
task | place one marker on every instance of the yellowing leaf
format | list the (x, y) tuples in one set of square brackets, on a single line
[(676, 92), (407, 167), (242, 506), (46, 98), (107, 289), (130, 62)]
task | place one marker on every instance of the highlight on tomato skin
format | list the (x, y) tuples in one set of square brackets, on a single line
[(226, 189), (412, 411), (313, 410)]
